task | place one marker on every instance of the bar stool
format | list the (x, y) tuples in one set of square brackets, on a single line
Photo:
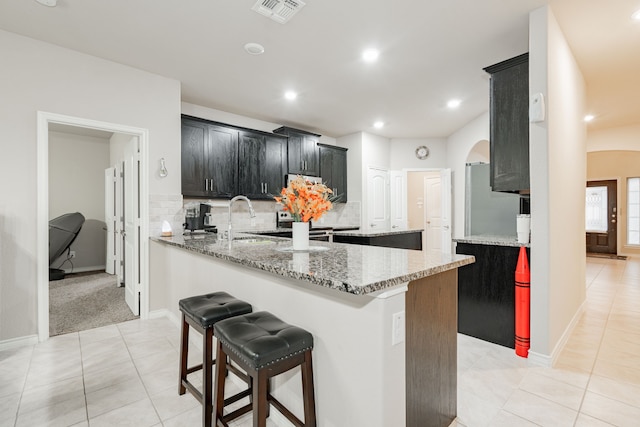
[(264, 346), (201, 313)]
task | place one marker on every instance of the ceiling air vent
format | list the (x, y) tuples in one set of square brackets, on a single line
[(279, 10)]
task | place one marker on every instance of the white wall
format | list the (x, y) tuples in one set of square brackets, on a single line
[(459, 145), (558, 159), (77, 85), (624, 138), (402, 153), (238, 120), (76, 184)]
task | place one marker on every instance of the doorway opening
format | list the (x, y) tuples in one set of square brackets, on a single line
[(601, 213), (138, 250)]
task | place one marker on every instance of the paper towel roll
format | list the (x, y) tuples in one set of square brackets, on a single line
[(523, 227), (166, 229)]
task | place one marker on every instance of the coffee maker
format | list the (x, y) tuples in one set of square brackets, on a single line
[(198, 218)]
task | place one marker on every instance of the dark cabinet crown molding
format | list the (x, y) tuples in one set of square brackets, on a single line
[(500, 66)]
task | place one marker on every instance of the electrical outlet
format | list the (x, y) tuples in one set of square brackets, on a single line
[(397, 328), (72, 254)]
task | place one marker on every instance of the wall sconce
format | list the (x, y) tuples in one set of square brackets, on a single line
[(163, 169)]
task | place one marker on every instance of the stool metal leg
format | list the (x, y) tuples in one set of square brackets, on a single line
[(184, 350)]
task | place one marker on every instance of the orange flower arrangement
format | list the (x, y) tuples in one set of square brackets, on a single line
[(305, 200)]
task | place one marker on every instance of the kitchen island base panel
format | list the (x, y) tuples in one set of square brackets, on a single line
[(431, 348), (359, 376), (361, 379)]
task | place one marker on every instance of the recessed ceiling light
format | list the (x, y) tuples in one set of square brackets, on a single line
[(254, 48), (454, 103), (370, 55), (636, 15), (589, 117), (50, 3), (290, 95), (378, 125)]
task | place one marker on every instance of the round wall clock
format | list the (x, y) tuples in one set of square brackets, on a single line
[(422, 152)]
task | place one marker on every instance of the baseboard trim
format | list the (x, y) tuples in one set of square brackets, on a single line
[(548, 361), (18, 342)]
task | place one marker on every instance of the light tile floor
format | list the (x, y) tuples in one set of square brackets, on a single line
[(126, 374)]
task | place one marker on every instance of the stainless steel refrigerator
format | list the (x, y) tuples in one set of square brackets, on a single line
[(487, 212)]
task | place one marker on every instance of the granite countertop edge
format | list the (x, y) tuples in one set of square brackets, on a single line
[(376, 233), (492, 240), (332, 283)]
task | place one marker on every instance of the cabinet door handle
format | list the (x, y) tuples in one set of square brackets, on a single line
[(266, 188), (206, 184), (262, 187), (211, 184)]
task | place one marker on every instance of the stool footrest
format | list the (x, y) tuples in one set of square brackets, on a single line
[(237, 413), (193, 390), (284, 411), (195, 368)]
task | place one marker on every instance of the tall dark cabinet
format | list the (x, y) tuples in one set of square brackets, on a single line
[(209, 160), (302, 151), (509, 128), (263, 160), (333, 169)]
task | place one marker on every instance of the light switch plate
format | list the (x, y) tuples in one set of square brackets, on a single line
[(397, 328)]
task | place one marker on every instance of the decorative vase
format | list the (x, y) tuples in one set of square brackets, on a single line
[(300, 236)]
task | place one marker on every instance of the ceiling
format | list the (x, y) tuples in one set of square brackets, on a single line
[(430, 52)]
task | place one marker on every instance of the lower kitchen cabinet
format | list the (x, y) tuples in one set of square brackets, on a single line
[(410, 240), (486, 293), (263, 160)]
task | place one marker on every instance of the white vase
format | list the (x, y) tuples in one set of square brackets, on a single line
[(300, 236)]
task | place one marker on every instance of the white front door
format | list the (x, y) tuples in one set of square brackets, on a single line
[(132, 226), (433, 213), (378, 196), (398, 195)]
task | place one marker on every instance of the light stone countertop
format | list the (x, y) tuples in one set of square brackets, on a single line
[(355, 269), (492, 240)]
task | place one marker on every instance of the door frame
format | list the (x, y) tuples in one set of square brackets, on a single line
[(616, 232), (42, 208)]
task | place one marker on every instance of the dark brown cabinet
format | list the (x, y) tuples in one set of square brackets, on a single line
[(209, 160), (509, 128), (302, 151), (333, 169), (263, 164)]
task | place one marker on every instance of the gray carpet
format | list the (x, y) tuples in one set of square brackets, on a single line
[(87, 301)]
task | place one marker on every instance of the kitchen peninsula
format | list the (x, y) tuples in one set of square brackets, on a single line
[(354, 299)]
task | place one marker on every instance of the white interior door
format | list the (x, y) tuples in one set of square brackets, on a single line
[(110, 218), (433, 213), (445, 199), (398, 195), (378, 196), (132, 226), (119, 224)]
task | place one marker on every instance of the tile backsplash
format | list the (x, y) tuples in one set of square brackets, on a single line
[(171, 208)]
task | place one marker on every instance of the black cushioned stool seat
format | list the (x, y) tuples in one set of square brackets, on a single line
[(201, 313), (264, 346)]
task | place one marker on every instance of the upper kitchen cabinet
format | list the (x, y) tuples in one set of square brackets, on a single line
[(333, 169), (302, 151), (209, 160), (509, 128), (264, 164)]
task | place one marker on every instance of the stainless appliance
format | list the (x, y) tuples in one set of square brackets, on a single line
[(285, 220), (488, 212), (198, 218), (313, 179)]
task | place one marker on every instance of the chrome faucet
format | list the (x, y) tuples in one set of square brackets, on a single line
[(252, 213)]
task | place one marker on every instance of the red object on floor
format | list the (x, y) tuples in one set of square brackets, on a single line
[(523, 297)]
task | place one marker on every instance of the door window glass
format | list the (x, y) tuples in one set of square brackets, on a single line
[(596, 210), (633, 211)]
